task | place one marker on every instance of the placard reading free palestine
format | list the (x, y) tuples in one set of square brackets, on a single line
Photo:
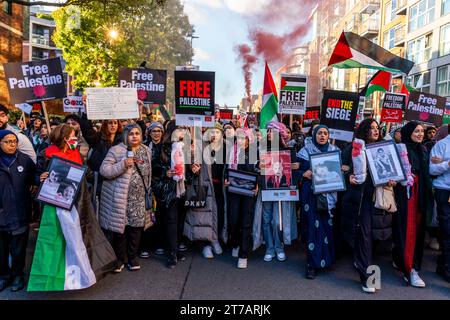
[(293, 94), (194, 98)]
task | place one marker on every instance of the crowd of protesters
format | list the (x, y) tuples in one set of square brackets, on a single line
[(131, 159)]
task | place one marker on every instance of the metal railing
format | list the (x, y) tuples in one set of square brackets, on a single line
[(372, 24), (399, 35), (40, 39)]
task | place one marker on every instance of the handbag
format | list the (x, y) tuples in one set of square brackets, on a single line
[(148, 196), (196, 195), (384, 199)]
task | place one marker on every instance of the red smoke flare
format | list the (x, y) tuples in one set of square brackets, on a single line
[(249, 60)]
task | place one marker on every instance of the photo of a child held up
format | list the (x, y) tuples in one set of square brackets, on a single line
[(384, 163), (63, 183), (327, 175)]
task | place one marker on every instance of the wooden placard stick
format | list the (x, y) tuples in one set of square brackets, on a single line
[(44, 108)]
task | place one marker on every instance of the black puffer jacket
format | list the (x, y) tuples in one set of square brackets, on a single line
[(15, 196), (359, 198)]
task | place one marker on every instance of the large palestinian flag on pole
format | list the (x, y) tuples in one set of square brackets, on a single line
[(269, 100), (71, 250), (354, 51)]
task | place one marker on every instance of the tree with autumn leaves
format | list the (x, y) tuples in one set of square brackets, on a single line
[(98, 40)]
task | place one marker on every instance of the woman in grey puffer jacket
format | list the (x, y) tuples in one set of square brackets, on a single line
[(122, 211)]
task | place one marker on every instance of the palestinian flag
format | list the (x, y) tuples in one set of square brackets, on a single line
[(292, 84), (71, 250), (354, 51), (269, 101), (380, 81)]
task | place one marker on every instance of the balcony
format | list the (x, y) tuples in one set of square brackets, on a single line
[(369, 6), (399, 36), (369, 28), (352, 26), (402, 7), (41, 41)]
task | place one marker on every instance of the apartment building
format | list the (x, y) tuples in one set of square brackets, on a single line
[(11, 37), (427, 43)]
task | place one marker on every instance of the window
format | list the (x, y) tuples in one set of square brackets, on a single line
[(414, 79), (444, 42), (7, 7), (389, 39), (419, 50), (421, 14), (389, 11), (445, 7), (443, 81)]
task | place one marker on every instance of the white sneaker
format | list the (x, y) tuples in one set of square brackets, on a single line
[(416, 280), (145, 254), (281, 256), (207, 252), (368, 289), (235, 252), (242, 263), (217, 248), (268, 257), (434, 244), (159, 251)]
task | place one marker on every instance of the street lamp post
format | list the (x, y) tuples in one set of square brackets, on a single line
[(192, 38)]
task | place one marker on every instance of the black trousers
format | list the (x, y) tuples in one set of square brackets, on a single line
[(16, 246), (241, 224), (125, 245), (363, 238), (173, 220), (443, 211), (153, 238), (218, 192)]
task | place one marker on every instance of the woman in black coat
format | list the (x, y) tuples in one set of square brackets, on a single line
[(16, 179), (100, 142), (413, 204), (361, 221)]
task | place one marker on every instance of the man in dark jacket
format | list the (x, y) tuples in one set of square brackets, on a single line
[(16, 179)]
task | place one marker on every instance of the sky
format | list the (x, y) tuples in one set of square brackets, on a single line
[(221, 25)]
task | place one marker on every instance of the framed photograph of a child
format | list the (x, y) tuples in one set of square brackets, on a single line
[(384, 162), (327, 174), (63, 184), (242, 182)]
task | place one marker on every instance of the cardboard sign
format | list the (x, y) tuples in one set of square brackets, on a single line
[(112, 103), (393, 106), (339, 109), (150, 83), (280, 195), (446, 118), (312, 113), (425, 107), (293, 94), (194, 98), (25, 107), (73, 104), (35, 80)]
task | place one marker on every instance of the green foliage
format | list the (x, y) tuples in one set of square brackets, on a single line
[(154, 33)]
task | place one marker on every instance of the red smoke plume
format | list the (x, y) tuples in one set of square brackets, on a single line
[(269, 46), (248, 60)]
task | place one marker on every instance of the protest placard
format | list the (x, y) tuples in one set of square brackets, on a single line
[(446, 118), (225, 115), (112, 103), (393, 106), (35, 80), (312, 113), (293, 91), (339, 109), (194, 98), (150, 83), (425, 107), (73, 104), (25, 107)]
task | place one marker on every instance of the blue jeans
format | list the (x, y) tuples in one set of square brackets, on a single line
[(270, 228)]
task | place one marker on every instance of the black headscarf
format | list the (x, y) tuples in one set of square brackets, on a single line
[(419, 159)]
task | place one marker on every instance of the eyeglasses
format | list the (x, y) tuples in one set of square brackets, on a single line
[(10, 142)]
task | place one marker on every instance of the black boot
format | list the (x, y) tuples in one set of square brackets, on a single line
[(18, 284), (310, 273), (172, 261)]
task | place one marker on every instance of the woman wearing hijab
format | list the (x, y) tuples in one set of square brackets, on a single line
[(242, 207), (413, 204), (16, 178), (361, 222), (319, 221)]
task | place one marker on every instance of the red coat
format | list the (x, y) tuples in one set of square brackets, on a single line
[(71, 155)]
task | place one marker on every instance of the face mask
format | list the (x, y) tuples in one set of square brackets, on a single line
[(72, 143)]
